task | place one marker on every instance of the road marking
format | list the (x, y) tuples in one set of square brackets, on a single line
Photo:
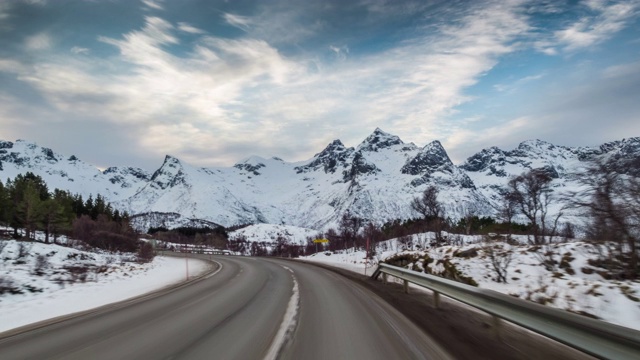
[(215, 272), (289, 321)]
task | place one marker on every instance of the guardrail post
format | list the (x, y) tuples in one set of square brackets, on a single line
[(406, 286), (384, 278), (436, 299)]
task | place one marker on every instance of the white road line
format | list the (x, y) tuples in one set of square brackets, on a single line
[(215, 272), (289, 321)]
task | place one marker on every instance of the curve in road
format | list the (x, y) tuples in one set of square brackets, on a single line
[(250, 308)]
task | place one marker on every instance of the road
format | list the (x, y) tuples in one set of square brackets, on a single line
[(249, 308)]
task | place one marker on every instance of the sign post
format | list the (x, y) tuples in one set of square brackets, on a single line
[(320, 241)]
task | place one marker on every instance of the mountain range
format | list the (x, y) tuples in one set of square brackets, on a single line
[(375, 180)]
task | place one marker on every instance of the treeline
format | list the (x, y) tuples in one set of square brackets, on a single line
[(26, 203), (215, 237)]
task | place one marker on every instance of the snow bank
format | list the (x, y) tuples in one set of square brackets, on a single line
[(570, 287), (46, 281)]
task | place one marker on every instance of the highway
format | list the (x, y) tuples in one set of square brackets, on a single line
[(248, 308)]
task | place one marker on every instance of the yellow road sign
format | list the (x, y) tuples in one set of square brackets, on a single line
[(320, 241)]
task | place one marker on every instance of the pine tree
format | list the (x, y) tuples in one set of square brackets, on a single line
[(4, 204), (27, 212), (51, 214)]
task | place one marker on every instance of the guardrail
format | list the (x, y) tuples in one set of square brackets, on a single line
[(594, 337)]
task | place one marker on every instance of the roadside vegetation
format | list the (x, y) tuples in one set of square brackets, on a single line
[(30, 212)]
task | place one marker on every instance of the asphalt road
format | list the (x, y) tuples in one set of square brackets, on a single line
[(250, 308)]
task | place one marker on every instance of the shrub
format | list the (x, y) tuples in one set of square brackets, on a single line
[(145, 252)]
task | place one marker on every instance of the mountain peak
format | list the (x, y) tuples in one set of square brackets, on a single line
[(334, 155), (379, 140), (430, 158), (169, 174)]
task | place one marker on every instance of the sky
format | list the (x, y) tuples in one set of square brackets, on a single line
[(125, 82)]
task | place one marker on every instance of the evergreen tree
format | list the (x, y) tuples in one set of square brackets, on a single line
[(4, 204), (52, 214), (88, 208), (27, 212)]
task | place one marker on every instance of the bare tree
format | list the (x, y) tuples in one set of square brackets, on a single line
[(469, 214), (532, 194), (431, 210), (499, 258), (506, 211), (349, 227), (612, 201)]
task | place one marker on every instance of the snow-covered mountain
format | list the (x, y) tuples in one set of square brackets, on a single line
[(490, 169), (376, 180), (68, 172)]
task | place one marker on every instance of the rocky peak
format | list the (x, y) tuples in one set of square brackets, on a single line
[(329, 159), (379, 140), (121, 175), (251, 165), (359, 166), (484, 159), (169, 174), (6, 144), (432, 157)]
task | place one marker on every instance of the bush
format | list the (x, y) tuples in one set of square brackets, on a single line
[(145, 252), (8, 286), (105, 234), (42, 264)]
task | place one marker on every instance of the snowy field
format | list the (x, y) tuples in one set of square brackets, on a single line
[(576, 286), (269, 233), (40, 281)]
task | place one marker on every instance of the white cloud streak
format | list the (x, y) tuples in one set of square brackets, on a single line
[(80, 50), (239, 21), (607, 19), (153, 4), (185, 27)]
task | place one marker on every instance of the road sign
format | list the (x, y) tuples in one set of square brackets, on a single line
[(320, 241)]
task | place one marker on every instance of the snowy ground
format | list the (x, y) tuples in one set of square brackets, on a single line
[(568, 288), (269, 233), (40, 281)]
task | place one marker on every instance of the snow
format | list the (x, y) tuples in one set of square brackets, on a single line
[(314, 193), (110, 278), (615, 301), (295, 235)]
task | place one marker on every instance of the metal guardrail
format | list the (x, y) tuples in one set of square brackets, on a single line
[(594, 337)]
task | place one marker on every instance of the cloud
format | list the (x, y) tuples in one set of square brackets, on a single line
[(38, 42), (12, 66), (156, 89), (244, 93), (517, 84), (216, 100), (605, 20), (241, 22), (153, 4), (80, 50), (4, 12), (341, 52), (466, 142), (280, 22), (622, 70), (182, 26)]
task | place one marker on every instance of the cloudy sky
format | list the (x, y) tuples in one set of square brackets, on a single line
[(124, 82)]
